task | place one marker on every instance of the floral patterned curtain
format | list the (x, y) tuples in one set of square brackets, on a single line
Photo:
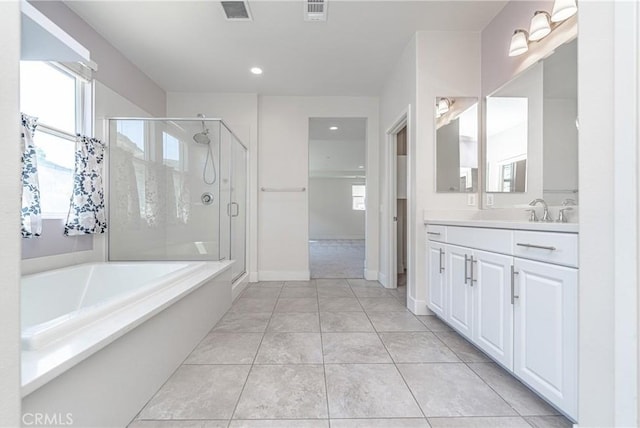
[(87, 211), (31, 211)]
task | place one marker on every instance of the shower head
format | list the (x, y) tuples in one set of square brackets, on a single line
[(202, 137)]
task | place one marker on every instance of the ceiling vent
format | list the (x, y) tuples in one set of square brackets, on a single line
[(236, 10), (315, 10)]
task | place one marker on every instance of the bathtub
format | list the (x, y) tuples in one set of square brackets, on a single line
[(96, 326)]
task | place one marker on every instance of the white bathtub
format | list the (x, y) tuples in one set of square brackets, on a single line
[(90, 329), (58, 303)]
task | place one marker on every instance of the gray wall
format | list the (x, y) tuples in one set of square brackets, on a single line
[(114, 69), (9, 215)]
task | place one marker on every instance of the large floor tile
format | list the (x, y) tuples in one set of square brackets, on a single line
[(281, 423), (284, 392), (358, 282), (331, 282), (297, 304), (515, 393), (344, 321), (249, 304), (339, 304), (395, 321), (178, 424), (198, 392), (368, 391), (226, 348), (335, 291), (452, 390), (433, 323), (461, 347), (310, 283), (251, 322), (261, 292), (480, 422), (294, 322), (299, 292), (417, 347), (380, 423), (268, 284), (364, 291), (353, 348), (549, 422), (381, 304), (290, 348)]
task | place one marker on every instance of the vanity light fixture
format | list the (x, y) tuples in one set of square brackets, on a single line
[(519, 43), (563, 9), (540, 26), (443, 105)]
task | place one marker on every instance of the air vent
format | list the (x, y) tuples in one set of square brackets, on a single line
[(315, 10), (236, 10)]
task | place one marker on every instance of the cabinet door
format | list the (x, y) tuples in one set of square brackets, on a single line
[(493, 311), (436, 278), (459, 293), (546, 333)]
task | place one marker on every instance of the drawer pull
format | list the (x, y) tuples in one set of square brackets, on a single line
[(540, 247), (441, 266), (513, 284), (433, 233)]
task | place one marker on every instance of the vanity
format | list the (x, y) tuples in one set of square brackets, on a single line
[(508, 285)]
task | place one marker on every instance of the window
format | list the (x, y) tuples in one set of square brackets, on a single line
[(58, 98), (358, 195)]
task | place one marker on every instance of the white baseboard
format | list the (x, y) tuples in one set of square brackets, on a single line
[(253, 276), (418, 307), (280, 275), (370, 275), (382, 279), (239, 286)]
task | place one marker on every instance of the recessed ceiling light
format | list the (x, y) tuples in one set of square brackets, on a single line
[(333, 128), (256, 70), (361, 166)]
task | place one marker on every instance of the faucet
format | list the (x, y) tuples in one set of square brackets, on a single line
[(562, 217), (545, 215)]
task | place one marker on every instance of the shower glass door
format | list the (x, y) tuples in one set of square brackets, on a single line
[(238, 210), (167, 190)]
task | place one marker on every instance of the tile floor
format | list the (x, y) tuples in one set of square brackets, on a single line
[(338, 353), (336, 258)]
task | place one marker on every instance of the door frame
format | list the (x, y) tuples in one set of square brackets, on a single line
[(390, 197)]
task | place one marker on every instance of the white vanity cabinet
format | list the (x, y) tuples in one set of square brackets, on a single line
[(514, 294)]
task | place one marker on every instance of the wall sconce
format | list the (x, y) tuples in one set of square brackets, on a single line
[(542, 24), (443, 105)]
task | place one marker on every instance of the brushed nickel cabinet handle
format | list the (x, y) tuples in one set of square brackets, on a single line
[(433, 233), (466, 273), (540, 247), (471, 267), (441, 266), (513, 285)]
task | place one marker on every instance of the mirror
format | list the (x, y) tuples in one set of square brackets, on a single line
[(531, 132), (456, 144)]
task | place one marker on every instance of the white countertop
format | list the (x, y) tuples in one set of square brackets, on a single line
[(507, 224)]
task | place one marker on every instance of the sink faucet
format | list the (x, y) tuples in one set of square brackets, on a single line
[(545, 215), (562, 217)]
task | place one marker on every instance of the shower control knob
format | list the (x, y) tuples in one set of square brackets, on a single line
[(207, 198)]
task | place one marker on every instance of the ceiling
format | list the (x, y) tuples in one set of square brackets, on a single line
[(339, 153), (189, 46)]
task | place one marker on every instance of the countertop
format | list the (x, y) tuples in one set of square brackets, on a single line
[(507, 224)]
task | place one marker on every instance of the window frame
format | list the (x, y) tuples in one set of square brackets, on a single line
[(83, 118)]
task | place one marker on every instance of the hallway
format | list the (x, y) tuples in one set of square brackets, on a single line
[(307, 354)]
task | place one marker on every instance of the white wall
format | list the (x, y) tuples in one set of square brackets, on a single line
[(283, 232), (331, 214), (9, 214), (240, 112)]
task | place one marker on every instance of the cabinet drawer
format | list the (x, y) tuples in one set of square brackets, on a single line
[(558, 248), (495, 240), (437, 232)]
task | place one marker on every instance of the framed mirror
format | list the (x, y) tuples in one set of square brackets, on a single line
[(456, 144), (531, 135)]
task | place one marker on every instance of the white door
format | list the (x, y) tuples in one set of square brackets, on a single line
[(436, 278), (493, 311), (546, 331), (459, 292)]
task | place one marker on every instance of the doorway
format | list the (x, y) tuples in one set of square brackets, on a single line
[(337, 197), (401, 206)]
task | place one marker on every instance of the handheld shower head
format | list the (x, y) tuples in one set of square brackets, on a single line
[(202, 137)]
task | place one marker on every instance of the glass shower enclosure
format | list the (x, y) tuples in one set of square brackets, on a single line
[(177, 191)]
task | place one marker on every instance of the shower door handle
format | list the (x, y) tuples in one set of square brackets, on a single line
[(237, 209)]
